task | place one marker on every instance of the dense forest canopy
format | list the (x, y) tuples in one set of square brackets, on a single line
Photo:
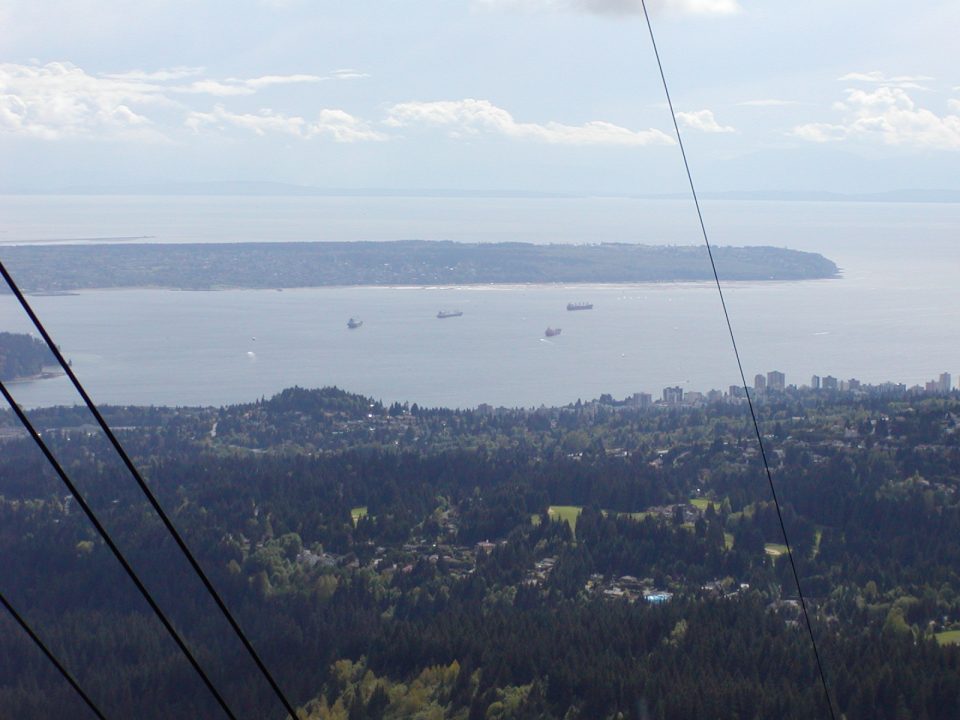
[(60, 268), (592, 561), (22, 356)]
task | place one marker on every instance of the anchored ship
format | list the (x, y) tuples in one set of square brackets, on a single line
[(552, 332), (449, 313), (580, 306), (353, 323)]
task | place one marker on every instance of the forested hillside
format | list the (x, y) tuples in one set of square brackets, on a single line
[(594, 561), (22, 356)]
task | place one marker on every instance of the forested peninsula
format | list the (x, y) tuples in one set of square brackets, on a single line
[(63, 268), (22, 356)]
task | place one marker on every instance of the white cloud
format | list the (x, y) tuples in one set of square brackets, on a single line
[(240, 86), (888, 115), (343, 127), (267, 80), (213, 87), (680, 7), (60, 100), (334, 124), (907, 82), (621, 7), (474, 117), (174, 73), (702, 120), (349, 74)]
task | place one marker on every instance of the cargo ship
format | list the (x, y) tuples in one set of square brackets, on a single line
[(353, 323), (448, 314), (552, 332), (580, 306)]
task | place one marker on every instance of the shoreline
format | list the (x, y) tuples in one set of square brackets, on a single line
[(889, 389), (432, 286), (45, 374)]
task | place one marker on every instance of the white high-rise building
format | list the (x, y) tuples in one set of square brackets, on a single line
[(673, 395)]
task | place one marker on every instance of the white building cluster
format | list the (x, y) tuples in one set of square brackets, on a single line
[(775, 382)]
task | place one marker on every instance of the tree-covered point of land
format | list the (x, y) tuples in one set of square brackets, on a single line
[(60, 268), (22, 356)]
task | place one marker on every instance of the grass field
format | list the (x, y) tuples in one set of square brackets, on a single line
[(950, 637), (747, 512), (775, 549), (357, 513), (700, 503), (817, 536), (570, 513)]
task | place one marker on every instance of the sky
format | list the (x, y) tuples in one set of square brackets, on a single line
[(558, 96)]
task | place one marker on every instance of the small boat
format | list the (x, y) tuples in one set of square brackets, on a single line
[(353, 323), (580, 306), (552, 332), (448, 314)]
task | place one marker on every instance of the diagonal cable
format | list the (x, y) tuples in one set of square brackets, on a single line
[(51, 657), (736, 352), (114, 549), (188, 554)]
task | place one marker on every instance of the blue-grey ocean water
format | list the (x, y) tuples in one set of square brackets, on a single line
[(893, 315)]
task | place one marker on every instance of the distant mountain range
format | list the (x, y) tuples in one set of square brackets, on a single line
[(267, 189), (898, 196)]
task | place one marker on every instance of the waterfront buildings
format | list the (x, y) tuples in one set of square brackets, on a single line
[(673, 395), (776, 380)]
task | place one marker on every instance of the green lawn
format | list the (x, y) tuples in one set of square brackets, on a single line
[(570, 513), (775, 549), (357, 513), (817, 536), (747, 512), (950, 637), (701, 503)]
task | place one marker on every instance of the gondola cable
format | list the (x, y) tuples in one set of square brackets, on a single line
[(118, 554), (736, 352), (51, 657), (151, 498)]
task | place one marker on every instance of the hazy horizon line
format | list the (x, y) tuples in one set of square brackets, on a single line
[(255, 188)]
